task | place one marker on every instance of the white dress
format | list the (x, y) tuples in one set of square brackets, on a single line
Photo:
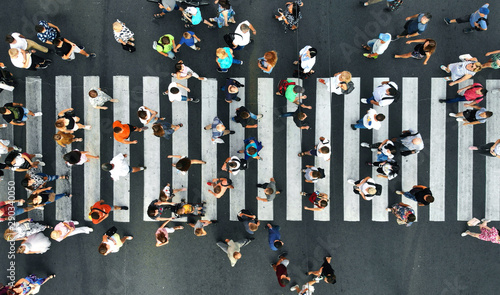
[(38, 243)]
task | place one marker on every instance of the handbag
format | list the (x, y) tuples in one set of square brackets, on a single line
[(128, 48), (473, 222), (110, 232), (229, 38), (465, 57)]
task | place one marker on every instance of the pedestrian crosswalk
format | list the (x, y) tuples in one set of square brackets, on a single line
[(320, 98)]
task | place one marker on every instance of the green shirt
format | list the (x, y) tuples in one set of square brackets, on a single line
[(165, 48), (289, 94)]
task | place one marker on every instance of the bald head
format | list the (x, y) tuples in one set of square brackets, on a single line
[(237, 255)]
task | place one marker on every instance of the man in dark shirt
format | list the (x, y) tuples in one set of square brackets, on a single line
[(156, 208), (15, 114), (243, 115), (420, 194), (281, 271), (231, 90), (299, 117), (415, 25), (67, 49), (325, 273)]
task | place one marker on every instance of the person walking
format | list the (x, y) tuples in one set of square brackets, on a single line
[(491, 149), (167, 6), (411, 142), (319, 200), (270, 190), (225, 14), (280, 269), (163, 231), (22, 229), (234, 165), (21, 162), (243, 116), (183, 72), (184, 163), (341, 83), (494, 61), (322, 150), (274, 237), (249, 220), (424, 48), (63, 139), (192, 17), (241, 36), (306, 289), (307, 59), (478, 20), (313, 174), (384, 95), (162, 128), (299, 117), (68, 122), (44, 196), (111, 242), (415, 25), (118, 167), (166, 46), (268, 61), (291, 16), (387, 169), (16, 40), (325, 272), (232, 249), (392, 5), (34, 244), (122, 132), (403, 212), (487, 234), (199, 226), (124, 36), (474, 116), (190, 39), (231, 90), (156, 208), (100, 211), (9, 210), (34, 179), (146, 115), (474, 94), (16, 114), (385, 149), (371, 120), (174, 93), (167, 193), (47, 32), (252, 148), (219, 186), (66, 229), (420, 194), (29, 285), (367, 188), (293, 93), (225, 58), (218, 130), (98, 98), (67, 49), (462, 71), (27, 60), (377, 46), (76, 157)]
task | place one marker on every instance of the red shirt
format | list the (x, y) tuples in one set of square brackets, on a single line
[(125, 131), (5, 209), (101, 207), (281, 270), (470, 94)]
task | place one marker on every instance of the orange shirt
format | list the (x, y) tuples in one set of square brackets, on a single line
[(103, 209), (125, 131)]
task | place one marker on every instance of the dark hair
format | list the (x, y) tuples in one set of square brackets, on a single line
[(174, 90), (380, 117), (57, 42), (165, 40), (225, 4), (323, 203), (245, 115), (178, 66), (391, 148), (72, 157), (39, 28), (284, 281), (488, 114), (57, 137), (106, 167), (93, 93), (313, 52), (94, 215), (9, 39), (3, 110), (316, 174), (217, 189), (24, 182), (161, 237), (301, 116), (278, 244), (431, 47), (142, 114), (484, 91), (59, 123), (183, 164), (152, 211), (295, 9), (324, 149), (232, 164), (252, 151), (272, 191), (117, 129), (411, 218), (331, 279), (163, 197), (430, 199), (428, 15), (393, 91), (158, 130), (103, 249)]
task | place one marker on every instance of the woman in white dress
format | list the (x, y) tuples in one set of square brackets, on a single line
[(35, 244), (338, 84), (68, 228), (462, 71), (24, 228)]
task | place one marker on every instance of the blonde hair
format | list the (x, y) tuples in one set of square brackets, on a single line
[(253, 226), (9, 234), (271, 57), (199, 232), (55, 234), (117, 26), (372, 190), (13, 52), (346, 76), (478, 65), (221, 53)]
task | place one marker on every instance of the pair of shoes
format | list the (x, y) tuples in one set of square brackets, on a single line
[(155, 44), (37, 114), (363, 3), (353, 126), (442, 100), (123, 208), (92, 55), (399, 192), (129, 238), (459, 119), (369, 163), (444, 68), (38, 156), (303, 193), (468, 30), (465, 233), (447, 20), (388, 209), (195, 100), (165, 92), (365, 145), (221, 71), (16, 148), (364, 100), (237, 99), (259, 116), (231, 132), (452, 114), (294, 288), (87, 127), (351, 181), (40, 163), (473, 148), (485, 220)]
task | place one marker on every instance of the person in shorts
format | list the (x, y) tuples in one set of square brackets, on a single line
[(325, 272), (474, 116), (122, 132), (100, 211), (67, 49), (174, 93), (270, 190), (16, 114)]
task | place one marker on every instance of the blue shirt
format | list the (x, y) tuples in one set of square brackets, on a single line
[(216, 133), (196, 19), (226, 62), (50, 33), (475, 16), (415, 25), (188, 42), (274, 234)]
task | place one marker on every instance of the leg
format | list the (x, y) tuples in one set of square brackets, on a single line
[(92, 157), (359, 124), (36, 46), (198, 162), (137, 169), (223, 246), (456, 99), (285, 115), (244, 242), (81, 230), (237, 61), (484, 150), (171, 54), (406, 55), (409, 196), (370, 2)]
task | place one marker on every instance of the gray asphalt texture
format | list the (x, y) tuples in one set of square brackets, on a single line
[(368, 257)]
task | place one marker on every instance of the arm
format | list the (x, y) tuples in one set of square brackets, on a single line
[(472, 123), (183, 87), (54, 26), (177, 47), (414, 41), (492, 52), (165, 223), (413, 16), (61, 113), (174, 46), (465, 77), (427, 57), (197, 39), (125, 141), (252, 29), (17, 124), (174, 156), (313, 209), (224, 166)]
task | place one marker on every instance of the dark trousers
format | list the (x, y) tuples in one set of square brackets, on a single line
[(484, 150)]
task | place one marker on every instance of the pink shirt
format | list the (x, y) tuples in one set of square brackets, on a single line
[(470, 94)]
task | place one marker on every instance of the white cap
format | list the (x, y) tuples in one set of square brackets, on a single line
[(191, 10)]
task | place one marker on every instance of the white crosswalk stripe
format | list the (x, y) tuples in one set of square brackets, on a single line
[(438, 144), (7, 133)]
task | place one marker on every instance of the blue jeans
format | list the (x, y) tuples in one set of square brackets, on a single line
[(25, 117), (58, 196), (252, 115), (49, 177), (369, 100), (456, 99), (371, 43), (239, 47), (171, 54), (409, 196), (359, 124), (285, 115)]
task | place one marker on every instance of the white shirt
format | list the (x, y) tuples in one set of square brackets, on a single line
[(321, 144), (364, 188), (148, 116), (21, 43), (18, 61), (174, 97), (306, 63), (334, 85), (244, 39), (380, 48), (238, 164), (369, 120), (120, 167), (381, 92)]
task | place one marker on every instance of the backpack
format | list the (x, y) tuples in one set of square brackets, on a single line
[(482, 18), (283, 85), (350, 88), (229, 38)]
